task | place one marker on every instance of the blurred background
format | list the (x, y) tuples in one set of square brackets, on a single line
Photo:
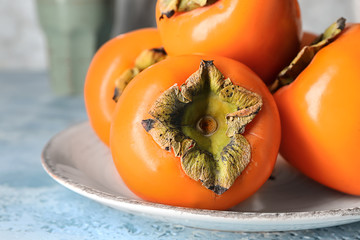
[(23, 46)]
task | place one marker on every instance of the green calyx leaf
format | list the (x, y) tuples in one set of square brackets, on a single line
[(146, 58), (306, 54), (169, 7), (217, 154)]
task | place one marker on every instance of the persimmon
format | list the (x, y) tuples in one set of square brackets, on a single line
[(264, 35), (201, 137), (112, 67), (319, 112), (307, 39)]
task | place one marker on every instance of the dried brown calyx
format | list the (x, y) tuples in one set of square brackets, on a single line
[(306, 54), (202, 121), (169, 7), (146, 58)]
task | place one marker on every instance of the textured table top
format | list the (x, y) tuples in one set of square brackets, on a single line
[(34, 206)]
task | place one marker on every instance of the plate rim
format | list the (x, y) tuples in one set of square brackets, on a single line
[(130, 205)]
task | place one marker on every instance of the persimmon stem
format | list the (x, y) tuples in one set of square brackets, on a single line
[(207, 125)]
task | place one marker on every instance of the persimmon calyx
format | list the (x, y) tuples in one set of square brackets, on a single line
[(306, 54), (145, 59), (169, 7), (201, 122)]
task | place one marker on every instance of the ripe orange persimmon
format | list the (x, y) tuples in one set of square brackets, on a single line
[(151, 168), (264, 35), (320, 118), (110, 61)]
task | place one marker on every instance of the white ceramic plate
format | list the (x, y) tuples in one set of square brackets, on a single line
[(288, 201)]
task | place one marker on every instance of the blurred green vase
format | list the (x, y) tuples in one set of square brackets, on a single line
[(74, 29)]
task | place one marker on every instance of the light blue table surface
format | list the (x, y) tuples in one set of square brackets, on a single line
[(34, 206)]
